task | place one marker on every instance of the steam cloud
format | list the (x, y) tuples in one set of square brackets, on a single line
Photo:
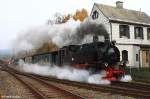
[(71, 32), (126, 78), (65, 72), (89, 27)]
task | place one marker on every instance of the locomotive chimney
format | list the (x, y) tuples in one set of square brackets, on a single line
[(119, 4)]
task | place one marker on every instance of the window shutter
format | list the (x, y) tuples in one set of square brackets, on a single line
[(141, 32), (128, 32), (135, 32), (120, 34), (148, 33)]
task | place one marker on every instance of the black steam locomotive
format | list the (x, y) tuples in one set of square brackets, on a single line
[(94, 56), (91, 55)]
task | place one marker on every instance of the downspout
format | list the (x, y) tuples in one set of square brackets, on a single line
[(149, 58), (110, 31)]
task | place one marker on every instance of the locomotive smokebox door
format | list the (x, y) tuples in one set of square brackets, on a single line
[(95, 38)]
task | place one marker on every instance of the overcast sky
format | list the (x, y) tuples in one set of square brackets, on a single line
[(19, 15)]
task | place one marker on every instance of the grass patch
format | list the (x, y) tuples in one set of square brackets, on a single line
[(139, 74)]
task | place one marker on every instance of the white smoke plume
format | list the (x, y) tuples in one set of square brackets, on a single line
[(64, 72), (71, 32), (97, 79), (34, 38)]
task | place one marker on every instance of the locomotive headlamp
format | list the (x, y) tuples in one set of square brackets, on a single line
[(72, 59), (106, 64)]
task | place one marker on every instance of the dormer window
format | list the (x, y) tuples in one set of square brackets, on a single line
[(124, 31), (148, 33), (138, 32), (95, 15)]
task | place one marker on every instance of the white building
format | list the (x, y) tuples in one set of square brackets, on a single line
[(130, 29)]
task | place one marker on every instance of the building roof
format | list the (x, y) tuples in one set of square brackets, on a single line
[(125, 15)]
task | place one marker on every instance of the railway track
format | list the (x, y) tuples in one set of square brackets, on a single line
[(43, 90), (135, 91), (124, 89), (128, 89), (78, 92), (133, 85), (81, 93)]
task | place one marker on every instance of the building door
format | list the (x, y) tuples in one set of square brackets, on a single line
[(145, 58)]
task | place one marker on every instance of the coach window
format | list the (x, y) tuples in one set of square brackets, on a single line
[(46, 59), (138, 32), (148, 33), (63, 52), (124, 31), (125, 55)]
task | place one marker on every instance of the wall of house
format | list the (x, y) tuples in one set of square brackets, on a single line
[(129, 44), (132, 51), (136, 50), (129, 48), (101, 19), (132, 40)]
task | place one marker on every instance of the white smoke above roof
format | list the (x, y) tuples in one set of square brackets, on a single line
[(34, 38), (71, 32)]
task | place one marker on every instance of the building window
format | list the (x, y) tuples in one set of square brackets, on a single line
[(95, 15), (148, 33), (124, 31), (138, 32), (137, 57), (125, 55)]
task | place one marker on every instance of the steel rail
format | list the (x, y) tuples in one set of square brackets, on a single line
[(103, 88), (134, 85), (76, 96), (38, 92), (33, 90)]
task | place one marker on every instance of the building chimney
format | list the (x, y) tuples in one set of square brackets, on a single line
[(119, 4)]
